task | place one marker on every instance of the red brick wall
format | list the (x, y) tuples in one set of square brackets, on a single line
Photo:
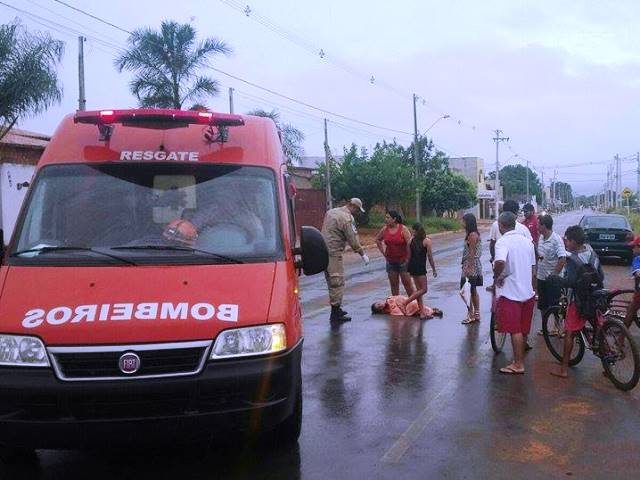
[(310, 207), (19, 155)]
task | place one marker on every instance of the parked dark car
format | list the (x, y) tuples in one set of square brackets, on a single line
[(608, 235)]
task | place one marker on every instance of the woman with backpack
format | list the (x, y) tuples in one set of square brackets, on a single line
[(583, 274), (420, 251)]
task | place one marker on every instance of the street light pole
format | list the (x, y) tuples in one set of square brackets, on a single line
[(416, 161), (434, 123), (82, 100)]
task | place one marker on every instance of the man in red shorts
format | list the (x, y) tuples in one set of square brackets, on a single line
[(515, 279)]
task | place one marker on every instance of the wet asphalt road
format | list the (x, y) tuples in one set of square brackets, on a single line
[(392, 397)]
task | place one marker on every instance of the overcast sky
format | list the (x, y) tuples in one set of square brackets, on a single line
[(560, 78)]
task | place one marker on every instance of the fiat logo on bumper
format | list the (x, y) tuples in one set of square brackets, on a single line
[(129, 363)]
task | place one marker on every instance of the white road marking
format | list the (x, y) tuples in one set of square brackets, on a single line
[(412, 433)]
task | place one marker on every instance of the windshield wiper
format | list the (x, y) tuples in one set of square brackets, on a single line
[(78, 249), (177, 249)]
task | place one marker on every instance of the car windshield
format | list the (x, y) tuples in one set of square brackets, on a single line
[(606, 222), (79, 212)]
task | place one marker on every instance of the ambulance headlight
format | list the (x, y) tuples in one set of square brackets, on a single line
[(243, 342), (19, 351)]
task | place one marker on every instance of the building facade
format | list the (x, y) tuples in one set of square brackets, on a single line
[(472, 168), (19, 153)]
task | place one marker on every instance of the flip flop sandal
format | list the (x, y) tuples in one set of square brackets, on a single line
[(511, 371)]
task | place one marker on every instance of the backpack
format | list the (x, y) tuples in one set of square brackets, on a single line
[(587, 281)]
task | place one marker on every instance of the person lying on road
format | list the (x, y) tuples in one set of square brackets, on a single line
[(398, 305)]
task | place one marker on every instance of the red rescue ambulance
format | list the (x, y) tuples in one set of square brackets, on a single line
[(150, 289)]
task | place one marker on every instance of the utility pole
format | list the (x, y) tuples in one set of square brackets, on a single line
[(231, 100), (612, 189), (543, 190), (618, 181), (607, 198), (327, 163), (612, 203), (416, 161), (498, 139), (82, 101), (555, 188)]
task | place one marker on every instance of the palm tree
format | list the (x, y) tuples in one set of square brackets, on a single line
[(292, 138), (167, 65), (28, 78)]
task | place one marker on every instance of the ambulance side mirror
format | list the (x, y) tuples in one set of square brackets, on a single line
[(313, 251), (2, 249)]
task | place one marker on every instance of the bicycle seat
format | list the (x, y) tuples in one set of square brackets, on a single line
[(602, 292)]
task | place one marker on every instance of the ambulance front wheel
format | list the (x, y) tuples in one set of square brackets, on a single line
[(17, 455), (287, 432)]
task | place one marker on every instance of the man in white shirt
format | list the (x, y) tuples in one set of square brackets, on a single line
[(494, 233), (514, 275)]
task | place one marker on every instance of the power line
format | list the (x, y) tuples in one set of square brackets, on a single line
[(321, 52), (309, 46), (108, 39), (235, 77), (277, 29), (93, 16), (58, 27), (247, 99), (350, 128), (347, 128), (308, 105)]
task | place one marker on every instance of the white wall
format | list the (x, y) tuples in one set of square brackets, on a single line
[(11, 198)]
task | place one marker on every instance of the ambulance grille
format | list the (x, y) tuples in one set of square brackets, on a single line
[(103, 362)]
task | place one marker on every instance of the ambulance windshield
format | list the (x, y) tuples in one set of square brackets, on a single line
[(143, 210)]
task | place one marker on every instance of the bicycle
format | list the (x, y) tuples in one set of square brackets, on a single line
[(619, 301), (497, 338), (608, 339)]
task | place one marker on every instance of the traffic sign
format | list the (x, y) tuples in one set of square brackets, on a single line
[(627, 192)]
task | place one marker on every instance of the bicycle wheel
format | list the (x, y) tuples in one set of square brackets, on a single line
[(619, 354), (619, 301), (497, 338), (554, 333)]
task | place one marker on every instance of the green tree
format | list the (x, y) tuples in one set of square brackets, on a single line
[(437, 179), (430, 160), (513, 178), (382, 178), (389, 179), (28, 79), (448, 192), (167, 65), (563, 192), (292, 138), (348, 176)]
